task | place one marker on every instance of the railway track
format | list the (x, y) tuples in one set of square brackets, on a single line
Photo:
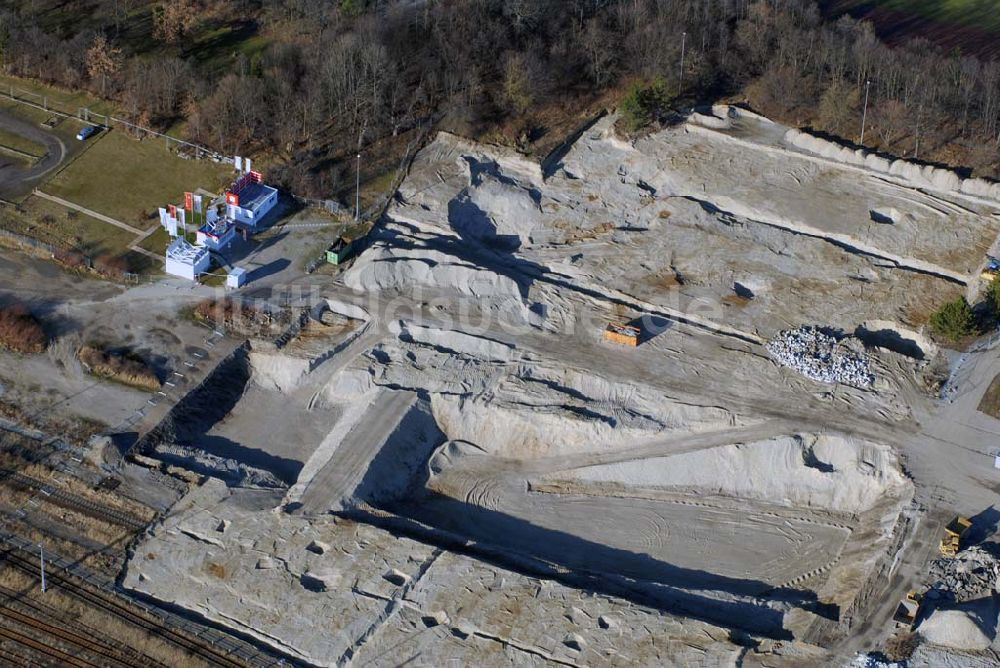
[(70, 633), (14, 659), (62, 657), (128, 612), (71, 501)]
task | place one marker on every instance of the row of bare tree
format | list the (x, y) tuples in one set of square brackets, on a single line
[(334, 74)]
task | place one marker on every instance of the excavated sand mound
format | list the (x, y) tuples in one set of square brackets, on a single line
[(966, 629), (386, 267), (825, 471)]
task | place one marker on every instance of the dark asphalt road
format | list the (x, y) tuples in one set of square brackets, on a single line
[(14, 179)]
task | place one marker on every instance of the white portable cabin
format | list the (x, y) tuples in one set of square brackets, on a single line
[(236, 278), (185, 260)]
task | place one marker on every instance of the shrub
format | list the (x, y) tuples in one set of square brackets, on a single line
[(954, 320), (901, 646), (20, 331), (645, 103), (69, 259), (993, 296), (123, 368), (111, 265)]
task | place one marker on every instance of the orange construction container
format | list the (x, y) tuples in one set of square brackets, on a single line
[(626, 335)]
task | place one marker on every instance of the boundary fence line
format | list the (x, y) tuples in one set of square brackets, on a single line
[(84, 114)]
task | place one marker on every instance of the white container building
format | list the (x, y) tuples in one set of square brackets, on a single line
[(186, 260), (248, 200), (216, 235)]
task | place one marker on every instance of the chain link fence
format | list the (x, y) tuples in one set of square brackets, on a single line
[(85, 114)]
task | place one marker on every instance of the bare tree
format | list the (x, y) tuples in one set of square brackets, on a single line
[(173, 19), (103, 60)]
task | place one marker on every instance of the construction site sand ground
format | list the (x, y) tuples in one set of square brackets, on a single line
[(469, 471)]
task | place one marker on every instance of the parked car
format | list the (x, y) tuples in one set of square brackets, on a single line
[(87, 132)]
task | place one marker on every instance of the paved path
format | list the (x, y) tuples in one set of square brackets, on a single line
[(89, 212)]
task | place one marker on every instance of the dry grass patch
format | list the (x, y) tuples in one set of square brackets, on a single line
[(20, 331), (667, 280), (990, 403), (237, 316), (123, 368), (736, 300)]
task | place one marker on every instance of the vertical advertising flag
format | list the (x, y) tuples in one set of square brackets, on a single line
[(238, 162), (182, 219), (198, 216), (173, 210), (188, 201)]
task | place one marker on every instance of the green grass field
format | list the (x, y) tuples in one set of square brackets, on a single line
[(128, 179), (57, 225), (19, 144), (982, 15), (156, 242), (990, 403)]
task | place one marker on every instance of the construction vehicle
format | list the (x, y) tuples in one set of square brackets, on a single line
[(626, 335), (952, 541), (992, 268), (908, 609)]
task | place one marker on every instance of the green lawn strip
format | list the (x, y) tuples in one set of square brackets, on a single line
[(58, 226), (128, 179), (990, 403), (19, 145), (156, 242)]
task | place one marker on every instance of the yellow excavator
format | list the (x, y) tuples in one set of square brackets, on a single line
[(952, 541)]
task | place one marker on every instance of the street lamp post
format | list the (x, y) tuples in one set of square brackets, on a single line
[(357, 192), (684, 36), (864, 113)]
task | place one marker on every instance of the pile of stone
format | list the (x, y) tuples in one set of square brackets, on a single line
[(974, 573), (821, 357)]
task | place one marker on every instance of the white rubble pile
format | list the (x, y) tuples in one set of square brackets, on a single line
[(972, 574), (820, 357), (873, 661)]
